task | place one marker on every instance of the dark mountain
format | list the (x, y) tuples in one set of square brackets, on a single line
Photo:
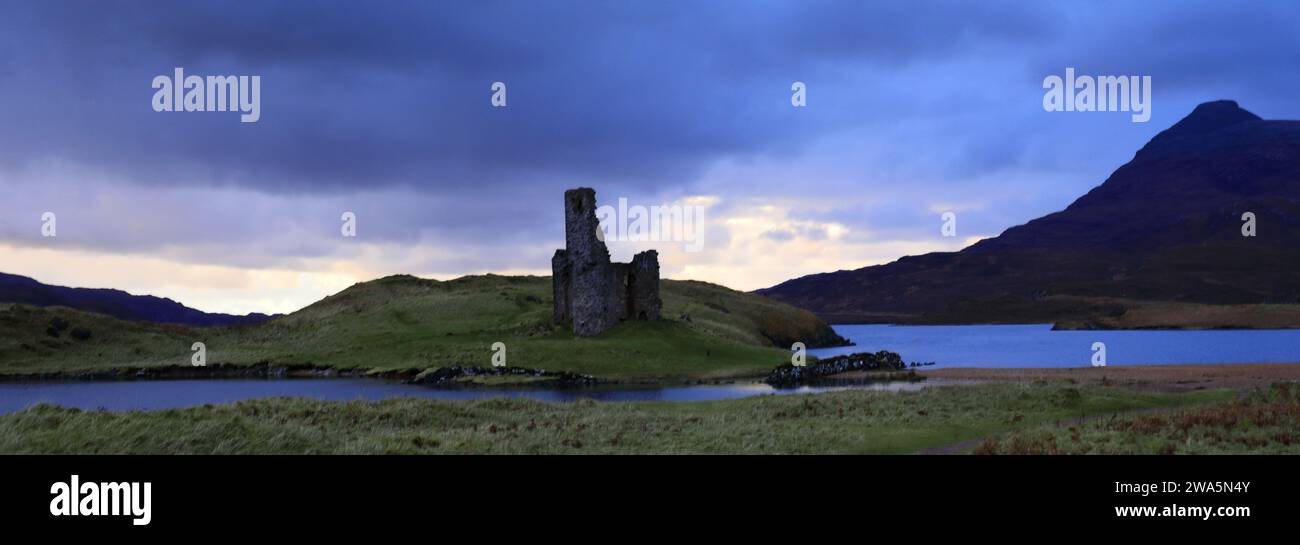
[(1166, 226), (116, 303)]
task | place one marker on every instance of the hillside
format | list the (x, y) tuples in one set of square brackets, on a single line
[(116, 303), (1165, 227), (403, 322)]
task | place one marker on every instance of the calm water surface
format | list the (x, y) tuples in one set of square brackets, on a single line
[(1039, 346), (169, 394), (948, 346)]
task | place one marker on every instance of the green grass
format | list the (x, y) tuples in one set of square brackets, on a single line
[(1265, 421), (403, 322), (840, 422)]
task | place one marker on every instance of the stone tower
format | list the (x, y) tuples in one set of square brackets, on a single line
[(591, 293)]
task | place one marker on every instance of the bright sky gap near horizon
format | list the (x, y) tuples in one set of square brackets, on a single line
[(386, 113)]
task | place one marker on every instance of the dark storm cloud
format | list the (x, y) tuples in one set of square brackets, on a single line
[(635, 98), (358, 95)]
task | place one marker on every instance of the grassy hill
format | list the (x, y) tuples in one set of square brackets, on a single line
[(404, 322), (1176, 315)]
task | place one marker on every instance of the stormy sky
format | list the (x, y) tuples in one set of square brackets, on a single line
[(914, 108)]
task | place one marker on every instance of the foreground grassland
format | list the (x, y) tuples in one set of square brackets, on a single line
[(1264, 421), (403, 322), (840, 422)]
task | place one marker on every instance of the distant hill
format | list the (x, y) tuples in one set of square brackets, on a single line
[(1164, 227), (115, 303), (404, 322)]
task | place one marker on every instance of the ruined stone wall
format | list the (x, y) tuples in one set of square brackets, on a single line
[(643, 301), (560, 272), (591, 293), (618, 291)]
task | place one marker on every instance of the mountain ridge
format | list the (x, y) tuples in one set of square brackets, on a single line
[(1165, 226), (116, 303)]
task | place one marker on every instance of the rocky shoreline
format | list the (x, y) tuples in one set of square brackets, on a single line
[(883, 366), (889, 365), (451, 375)]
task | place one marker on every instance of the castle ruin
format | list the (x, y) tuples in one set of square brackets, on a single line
[(591, 293)]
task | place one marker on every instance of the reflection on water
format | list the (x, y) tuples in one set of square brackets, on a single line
[(168, 394)]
